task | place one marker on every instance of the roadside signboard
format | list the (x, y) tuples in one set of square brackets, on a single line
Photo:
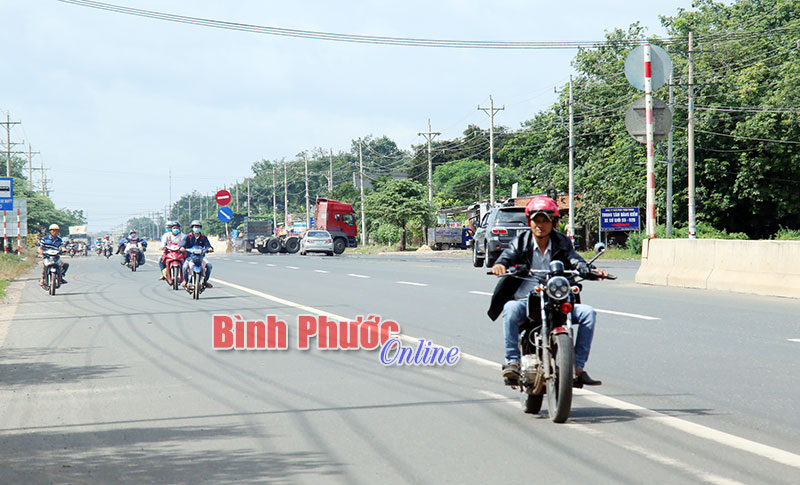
[(619, 219), (6, 193), (16, 219), (223, 197), (225, 214)]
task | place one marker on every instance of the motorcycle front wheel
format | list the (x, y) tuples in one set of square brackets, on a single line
[(175, 277), (559, 387), (531, 403), (197, 279), (51, 282)]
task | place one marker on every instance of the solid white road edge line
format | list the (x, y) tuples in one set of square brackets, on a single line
[(632, 315), (698, 430)]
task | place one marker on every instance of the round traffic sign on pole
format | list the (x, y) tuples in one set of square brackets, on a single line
[(636, 118), (660, 67), (223, 197), (225, 214)]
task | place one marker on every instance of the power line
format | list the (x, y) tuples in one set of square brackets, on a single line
[(353, 38)]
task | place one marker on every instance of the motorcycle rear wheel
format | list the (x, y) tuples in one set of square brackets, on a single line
[(559, 388)]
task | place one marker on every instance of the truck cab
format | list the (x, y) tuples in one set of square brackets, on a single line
[(339, 219)]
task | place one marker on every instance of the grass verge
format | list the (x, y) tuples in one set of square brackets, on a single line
[(11, 266), (377, 249), (612, 253)]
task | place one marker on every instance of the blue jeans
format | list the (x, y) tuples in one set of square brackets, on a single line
[(187, 268), (516, 311)]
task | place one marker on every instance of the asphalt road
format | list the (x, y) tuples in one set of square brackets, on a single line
[(115, 380)]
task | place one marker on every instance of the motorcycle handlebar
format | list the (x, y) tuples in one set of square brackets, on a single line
[(592, 275)]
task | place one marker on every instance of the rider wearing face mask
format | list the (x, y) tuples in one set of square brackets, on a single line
[(133, 237), (197, 238), (535, 250), (172, 236)]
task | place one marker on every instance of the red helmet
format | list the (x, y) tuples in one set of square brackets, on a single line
[(542, 205)]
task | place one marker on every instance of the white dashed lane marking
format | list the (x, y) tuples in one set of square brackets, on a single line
[(411, 283), (358, 275)]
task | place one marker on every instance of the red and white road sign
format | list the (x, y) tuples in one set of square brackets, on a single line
[(223, 197)]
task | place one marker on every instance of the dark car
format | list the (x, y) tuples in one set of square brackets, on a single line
[(495, 232)]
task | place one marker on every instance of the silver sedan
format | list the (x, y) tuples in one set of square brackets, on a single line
[(317, 241)]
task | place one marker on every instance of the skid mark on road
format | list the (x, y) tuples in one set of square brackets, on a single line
[(698, 430)]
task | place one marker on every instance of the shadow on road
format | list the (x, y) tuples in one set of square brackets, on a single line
[(602, 415), (180, 454), (33, 373)]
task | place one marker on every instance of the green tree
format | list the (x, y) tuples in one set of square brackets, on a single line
[(399, 201)]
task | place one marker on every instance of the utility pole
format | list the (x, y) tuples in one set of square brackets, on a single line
[(363, 217), (308, 221), (429, 136), (248, 198), (237, 195), (285, 198), (170, 194), (9, 145), (690, 145), (491, 111), (190, 207), (669, 163), (45, 191), (30, 165), (571, 227), (274, 210), (330, 180)]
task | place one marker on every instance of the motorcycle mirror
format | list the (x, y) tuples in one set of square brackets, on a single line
[(599, 248)]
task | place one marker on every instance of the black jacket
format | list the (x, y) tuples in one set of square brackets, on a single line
[(519, 254)]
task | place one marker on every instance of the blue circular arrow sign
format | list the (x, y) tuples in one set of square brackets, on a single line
[(225, 214)]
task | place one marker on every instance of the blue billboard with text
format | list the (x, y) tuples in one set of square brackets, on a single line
[(619, 219)]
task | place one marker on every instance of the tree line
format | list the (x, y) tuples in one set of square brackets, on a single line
[(746, 72)]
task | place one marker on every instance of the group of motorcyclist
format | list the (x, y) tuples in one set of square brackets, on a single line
[(185, 241), (173, 236), (534, 250)]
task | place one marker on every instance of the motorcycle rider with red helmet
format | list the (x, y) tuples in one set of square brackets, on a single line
[(535, 250)]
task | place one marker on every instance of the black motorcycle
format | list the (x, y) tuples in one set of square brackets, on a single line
[(546, 337), (52, 263)]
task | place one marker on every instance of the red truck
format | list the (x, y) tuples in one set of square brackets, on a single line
[(339, 219)]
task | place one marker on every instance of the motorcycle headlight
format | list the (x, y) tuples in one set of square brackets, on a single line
[(558, 287)]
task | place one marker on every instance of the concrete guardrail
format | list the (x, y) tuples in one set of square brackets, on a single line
[(758, 267)]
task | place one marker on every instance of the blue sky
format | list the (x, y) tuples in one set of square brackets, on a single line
[(113, 102)]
